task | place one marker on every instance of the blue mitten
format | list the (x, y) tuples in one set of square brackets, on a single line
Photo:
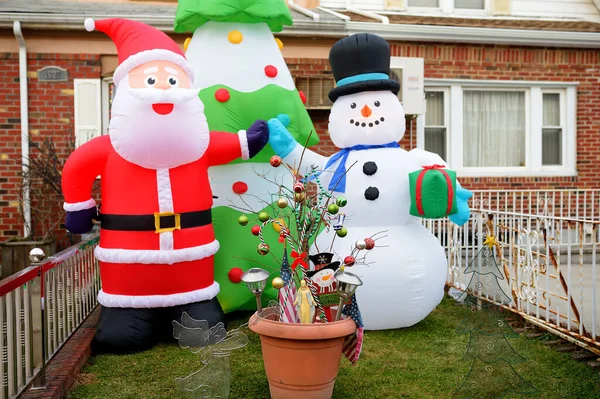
[(257, 136), (80, 222), (462, 197), (280, 138)]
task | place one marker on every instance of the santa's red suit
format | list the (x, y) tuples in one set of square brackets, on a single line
[(156, 239)]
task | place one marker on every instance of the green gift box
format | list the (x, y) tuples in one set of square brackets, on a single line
[(433, 192)]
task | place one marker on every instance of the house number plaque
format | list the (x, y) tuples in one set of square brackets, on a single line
[(52, 74)]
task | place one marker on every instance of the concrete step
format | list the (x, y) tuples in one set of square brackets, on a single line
[(594, 364), (553, 342), (535, 334), (583, 356), (566, 349)]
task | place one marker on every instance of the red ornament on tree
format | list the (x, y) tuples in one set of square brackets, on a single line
[(276, 161), (222, 95), (270, 71), (370, 243), (298, 187), (235, 275), (255, 229), (349, 260), (239, 187), (302, 97)]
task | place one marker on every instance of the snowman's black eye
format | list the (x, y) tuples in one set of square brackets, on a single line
[(377, 103), (353, 105)]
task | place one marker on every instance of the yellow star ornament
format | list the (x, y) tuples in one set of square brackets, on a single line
[(490, 241)]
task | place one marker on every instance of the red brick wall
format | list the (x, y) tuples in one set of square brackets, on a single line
[(51, 112), (481, 62)]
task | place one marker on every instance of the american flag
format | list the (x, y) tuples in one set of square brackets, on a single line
[(353, 342), (287, 293)]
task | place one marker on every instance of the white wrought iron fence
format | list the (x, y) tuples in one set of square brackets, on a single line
[(40, 308), (550, 268)]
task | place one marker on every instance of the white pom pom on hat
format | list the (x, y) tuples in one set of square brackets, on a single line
[(89, 24)]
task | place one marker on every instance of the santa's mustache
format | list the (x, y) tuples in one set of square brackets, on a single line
[(174, 95)]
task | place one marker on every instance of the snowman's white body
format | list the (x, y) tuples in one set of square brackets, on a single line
[(406, 272)]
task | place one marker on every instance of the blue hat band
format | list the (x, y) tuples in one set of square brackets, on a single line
[(362, 78)]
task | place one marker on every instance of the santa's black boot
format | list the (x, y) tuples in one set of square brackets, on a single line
[(125, 330), (210, 311)]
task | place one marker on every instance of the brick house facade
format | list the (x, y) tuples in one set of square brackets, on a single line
[(447, 67)]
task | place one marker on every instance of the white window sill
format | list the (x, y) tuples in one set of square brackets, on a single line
[(516, 172)]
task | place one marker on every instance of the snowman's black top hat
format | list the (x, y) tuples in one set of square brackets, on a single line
[(361, 62)]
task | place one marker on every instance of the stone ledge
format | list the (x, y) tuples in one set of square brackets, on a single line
[(64, 367)]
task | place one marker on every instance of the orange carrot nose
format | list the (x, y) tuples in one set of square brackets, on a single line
[(366, 111), (325, 278)]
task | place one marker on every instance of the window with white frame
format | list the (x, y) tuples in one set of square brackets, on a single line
[(87, 107), (486, 128), (469, 4), (424, 3)]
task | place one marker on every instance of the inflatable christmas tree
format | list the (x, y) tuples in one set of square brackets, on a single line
[(243, 77), (492, 375)]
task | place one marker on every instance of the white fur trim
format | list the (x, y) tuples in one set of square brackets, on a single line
[(165, 204), (89, 24), (79, 206), (244, 144), (155, 256), (142, 57), (158, 301)]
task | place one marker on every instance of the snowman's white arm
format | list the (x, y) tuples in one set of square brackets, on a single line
[(309, 158), (425, 158)]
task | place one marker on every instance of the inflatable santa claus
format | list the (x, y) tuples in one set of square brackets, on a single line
[(156, 238)]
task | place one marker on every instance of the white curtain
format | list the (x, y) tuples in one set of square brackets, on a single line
[(552, 130), (493, 128)]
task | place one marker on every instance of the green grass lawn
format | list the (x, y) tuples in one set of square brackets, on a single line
[(423, 361)]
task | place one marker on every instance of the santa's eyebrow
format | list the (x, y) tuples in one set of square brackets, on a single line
[(151, 70), (171, 70)]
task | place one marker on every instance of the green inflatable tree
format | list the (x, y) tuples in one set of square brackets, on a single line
[(492, 374), (243, 78)]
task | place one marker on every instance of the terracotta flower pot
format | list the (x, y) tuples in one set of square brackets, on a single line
[(301, 360)]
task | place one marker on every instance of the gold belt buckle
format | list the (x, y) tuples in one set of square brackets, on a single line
[(158, 215)]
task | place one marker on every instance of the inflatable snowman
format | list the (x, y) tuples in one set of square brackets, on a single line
[(406, 275)]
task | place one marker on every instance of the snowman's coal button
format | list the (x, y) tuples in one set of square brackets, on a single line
[(372, 193), (369, 168)]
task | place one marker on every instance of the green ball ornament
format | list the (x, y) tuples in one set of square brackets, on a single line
[(341, 202), (243, 220), (343, 232), (263, 216), (333, 209)]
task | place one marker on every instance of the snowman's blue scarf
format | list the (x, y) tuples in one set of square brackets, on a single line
[(338, 181)]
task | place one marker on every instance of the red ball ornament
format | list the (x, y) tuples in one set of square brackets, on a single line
[(370, 243), (349, 260), (302, 97), (239, 187), (298, 187), (276, 161), (270, 71), (255, 230), (222, 95), (235, 275)]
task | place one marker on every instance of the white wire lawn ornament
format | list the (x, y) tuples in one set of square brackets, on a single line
[(214, 346)]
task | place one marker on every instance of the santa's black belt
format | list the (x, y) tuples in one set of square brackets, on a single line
[(159, 222)]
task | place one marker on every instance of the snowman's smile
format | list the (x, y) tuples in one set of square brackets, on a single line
[(370, 121)]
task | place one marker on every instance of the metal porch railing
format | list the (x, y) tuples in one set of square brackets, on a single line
[(40, 308)]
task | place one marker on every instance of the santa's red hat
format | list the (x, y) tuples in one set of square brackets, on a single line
[(138, 43)]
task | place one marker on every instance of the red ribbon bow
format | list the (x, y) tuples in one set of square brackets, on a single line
[(299, 259), (436, 166)]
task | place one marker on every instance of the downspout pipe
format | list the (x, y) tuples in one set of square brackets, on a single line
[(26, 203)]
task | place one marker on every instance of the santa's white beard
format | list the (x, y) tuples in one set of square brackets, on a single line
[(154, 141)]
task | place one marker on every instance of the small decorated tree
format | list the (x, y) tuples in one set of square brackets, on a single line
[(492, 374)]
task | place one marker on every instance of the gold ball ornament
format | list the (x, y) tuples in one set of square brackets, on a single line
[(300, 197), (277, 283), (282, 202), (235, 37)]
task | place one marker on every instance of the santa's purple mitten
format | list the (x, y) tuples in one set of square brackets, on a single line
[(81, 222), (257, 136)]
